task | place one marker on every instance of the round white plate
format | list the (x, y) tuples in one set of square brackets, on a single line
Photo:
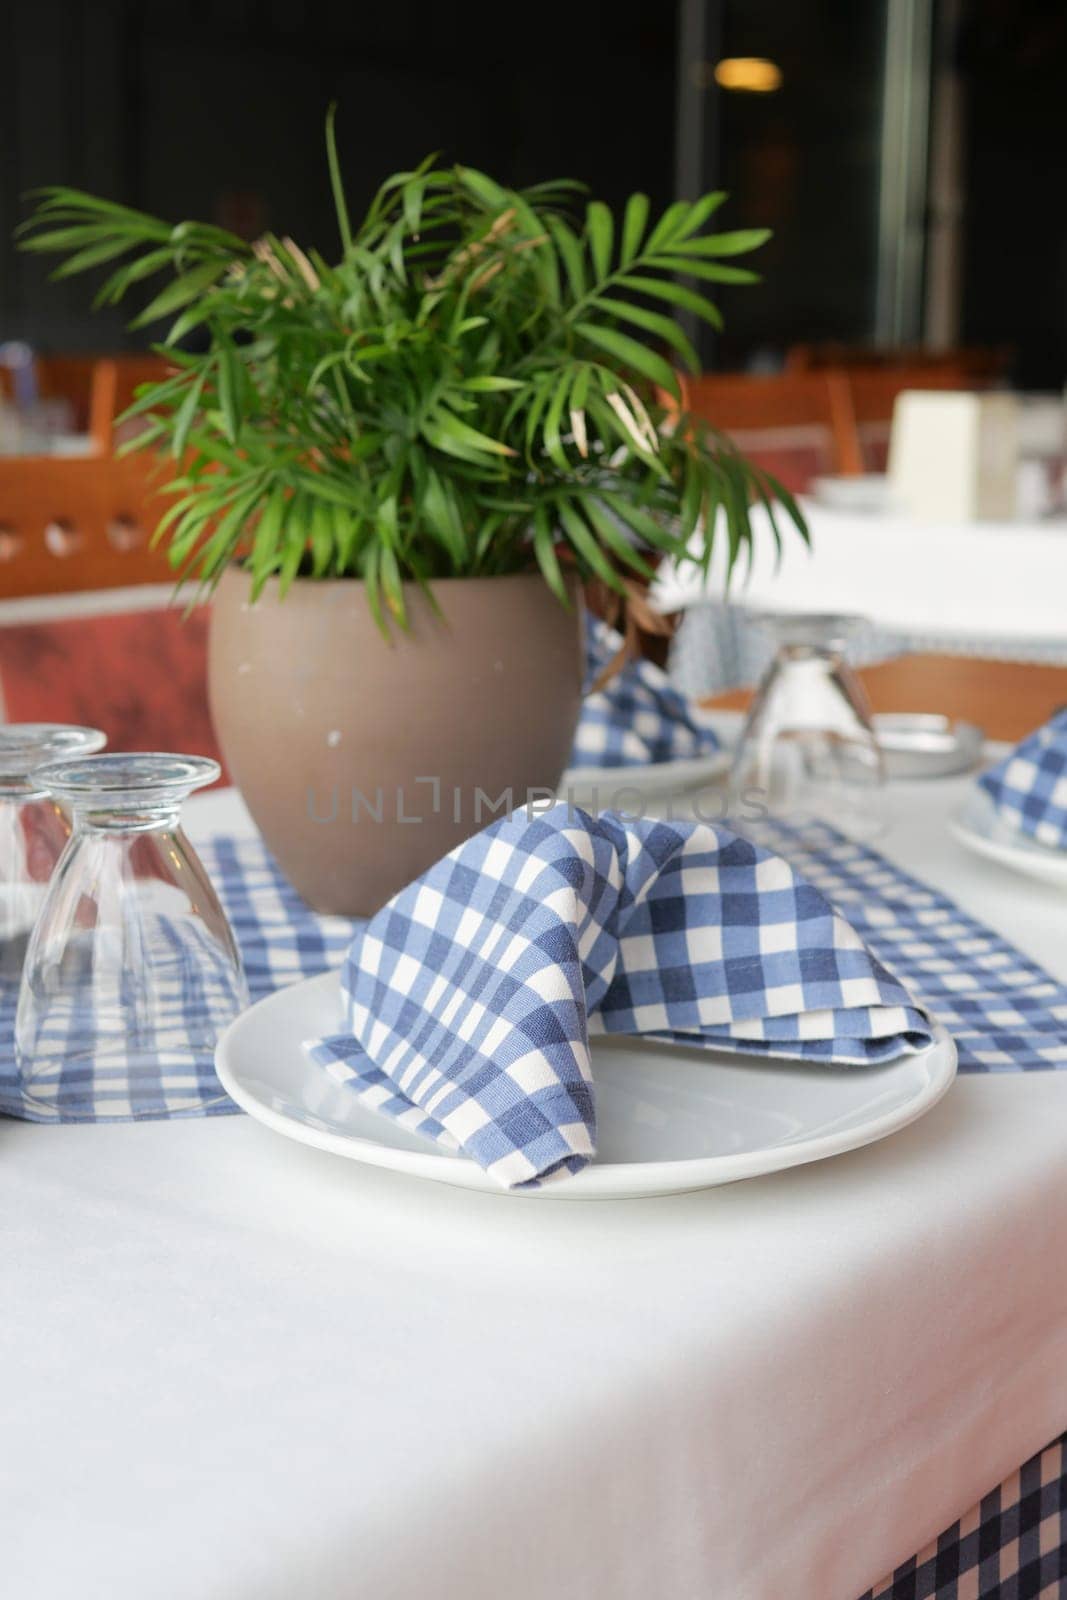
[(924, 745), (669, 1119), (980, 827)]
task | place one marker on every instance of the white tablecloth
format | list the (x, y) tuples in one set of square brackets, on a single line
[(234, 1367), (987, 580)]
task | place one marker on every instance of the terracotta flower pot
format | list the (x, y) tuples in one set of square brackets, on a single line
[(361, 759)]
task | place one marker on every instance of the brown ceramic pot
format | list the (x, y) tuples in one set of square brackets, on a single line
[(361, 759)]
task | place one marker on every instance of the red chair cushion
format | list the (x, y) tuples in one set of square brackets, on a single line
[(141, 676)]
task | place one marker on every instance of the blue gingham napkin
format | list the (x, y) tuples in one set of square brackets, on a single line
[(1029, 787), (637, 718), (471, 996), (1004, 1012)]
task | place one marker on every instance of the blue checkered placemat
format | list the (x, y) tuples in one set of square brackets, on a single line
[(1029, 787), (638, 717), (1005, 1012)]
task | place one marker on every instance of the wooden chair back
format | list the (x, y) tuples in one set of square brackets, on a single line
[(980, 365), (79, 523), (115, 382), (97, 388), (68, 378), (874, 392), (804, 415)]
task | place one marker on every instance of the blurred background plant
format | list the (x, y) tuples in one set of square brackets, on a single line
[(483, 383)]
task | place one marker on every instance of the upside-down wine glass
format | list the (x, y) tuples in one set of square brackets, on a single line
[(132, 970), (33, 832), (808, 750)]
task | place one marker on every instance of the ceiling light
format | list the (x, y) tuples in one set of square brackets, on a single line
[(749, 74)]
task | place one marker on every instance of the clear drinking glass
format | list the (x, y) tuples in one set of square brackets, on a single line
[(807, 749), (132, 970), (33, 831)]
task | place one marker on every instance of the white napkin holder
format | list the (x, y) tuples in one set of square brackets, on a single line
[(953, 456)]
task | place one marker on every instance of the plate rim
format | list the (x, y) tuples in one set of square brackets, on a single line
[(1031, 859), (688, 772), (600, 1181)]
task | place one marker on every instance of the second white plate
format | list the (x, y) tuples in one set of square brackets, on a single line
[(669, 1119), (978, 826)]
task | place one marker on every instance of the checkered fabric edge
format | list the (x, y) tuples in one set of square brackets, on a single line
[(1005, 1013), (471, 996), (639, 717), (1029, 787), (718, 646), (1011, 1546)]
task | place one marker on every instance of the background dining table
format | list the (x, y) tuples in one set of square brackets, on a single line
[(999, 584), (232, 1366)]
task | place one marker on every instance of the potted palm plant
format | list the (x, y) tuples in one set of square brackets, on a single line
[(394, 469)]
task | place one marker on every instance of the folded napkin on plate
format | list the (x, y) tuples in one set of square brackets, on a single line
[(639, 716), (1029, 787), (471, 996)]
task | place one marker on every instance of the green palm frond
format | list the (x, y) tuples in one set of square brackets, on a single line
[(472, 387)]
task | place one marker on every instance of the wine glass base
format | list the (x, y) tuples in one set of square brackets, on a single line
[(92, 1090)]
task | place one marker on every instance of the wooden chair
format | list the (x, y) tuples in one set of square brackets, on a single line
[(795, 425), (96, 388), (980, 365), (874, 391), (76, 523), (68, 378), (129, 664), (115, 381)]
